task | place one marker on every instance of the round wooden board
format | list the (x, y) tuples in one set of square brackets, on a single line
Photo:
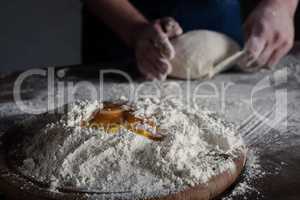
[(215, 186), (16, 186)]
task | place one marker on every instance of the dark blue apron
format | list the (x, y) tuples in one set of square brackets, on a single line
[(217, 15)]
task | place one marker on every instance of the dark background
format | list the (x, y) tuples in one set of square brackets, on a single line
[(36, 33), (39, 32)]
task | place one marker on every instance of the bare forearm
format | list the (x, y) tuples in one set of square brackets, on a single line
[(120, 15)]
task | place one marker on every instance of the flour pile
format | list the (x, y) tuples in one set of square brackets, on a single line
[(197, 146)]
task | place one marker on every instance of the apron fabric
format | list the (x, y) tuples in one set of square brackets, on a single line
[(100, 44), (216, 15)]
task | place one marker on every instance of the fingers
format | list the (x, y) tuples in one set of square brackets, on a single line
[(262, 53), (253, 49), (151, 69), (278, 54), (166, 65), (265, 55), (162, 64), (170, 27), (164, 47), (154, 49), (158, 68), (152, 65), (142, 65), (261, 46), (269, 31), (162, 42), (277, 45)]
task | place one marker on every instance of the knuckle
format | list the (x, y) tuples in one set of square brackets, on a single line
[(262, 28), (289, 43), (279, 36), (283, 37), (159, 39)]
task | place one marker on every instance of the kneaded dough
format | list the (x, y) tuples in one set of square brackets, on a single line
[(198, 52)]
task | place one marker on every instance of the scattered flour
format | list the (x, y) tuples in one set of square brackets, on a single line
[(64, 154), (246, 185)]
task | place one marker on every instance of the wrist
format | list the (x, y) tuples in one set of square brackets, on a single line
[(293, 4), (289, 5)]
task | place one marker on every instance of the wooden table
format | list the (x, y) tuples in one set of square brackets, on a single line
[(278, 148)]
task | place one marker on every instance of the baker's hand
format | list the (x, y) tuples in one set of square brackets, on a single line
[(154, 50), (269, 34)]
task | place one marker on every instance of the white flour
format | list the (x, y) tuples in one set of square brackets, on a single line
[(192, 152), (253, 171)]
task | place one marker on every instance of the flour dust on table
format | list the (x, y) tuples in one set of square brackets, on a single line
[(196, 146)]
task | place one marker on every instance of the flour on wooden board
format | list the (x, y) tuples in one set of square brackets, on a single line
[(192, 151)]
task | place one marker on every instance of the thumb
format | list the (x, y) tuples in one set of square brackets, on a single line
[(255, 46), (253, 49)]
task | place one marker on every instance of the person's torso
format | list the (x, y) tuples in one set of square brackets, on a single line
[(217, 15)]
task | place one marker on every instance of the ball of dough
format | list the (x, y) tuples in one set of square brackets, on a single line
[(197, 52)]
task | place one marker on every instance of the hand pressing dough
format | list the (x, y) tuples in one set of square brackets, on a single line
[(198, 52)]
